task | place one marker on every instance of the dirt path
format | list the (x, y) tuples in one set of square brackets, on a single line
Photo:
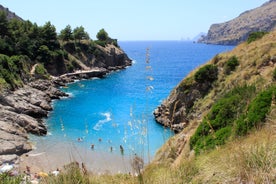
[(33, 69)]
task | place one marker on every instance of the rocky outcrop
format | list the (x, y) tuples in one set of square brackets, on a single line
[(21, 113), (176, 110), (113, 58), (237, 30)]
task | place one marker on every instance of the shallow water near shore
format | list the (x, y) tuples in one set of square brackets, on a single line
[(117, 110)]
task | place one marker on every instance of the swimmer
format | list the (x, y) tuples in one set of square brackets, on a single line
[(80, 139), (121, 149)]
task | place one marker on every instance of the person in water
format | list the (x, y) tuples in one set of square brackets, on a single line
[(80, 139), (121, 149)]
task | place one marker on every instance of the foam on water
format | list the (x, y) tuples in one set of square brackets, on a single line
[(100, 123)]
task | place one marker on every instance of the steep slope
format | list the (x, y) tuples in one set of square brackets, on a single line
[(237, 30), (232, 105), (190, 102)]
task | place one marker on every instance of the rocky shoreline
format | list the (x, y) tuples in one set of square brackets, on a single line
[(23, 111)]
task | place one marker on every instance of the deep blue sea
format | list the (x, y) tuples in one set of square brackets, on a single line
[(117, 110)]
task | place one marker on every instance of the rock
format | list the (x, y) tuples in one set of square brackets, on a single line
[(21, 112), (13, 144), (11, 159)]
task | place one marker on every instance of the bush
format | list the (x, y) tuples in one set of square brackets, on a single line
[(256, 113), (274, 74), (260, 107), (101, 43), (9, 72), (5, 178), (207, 73), (255, 35), (217, 126), (41, 72), (231, 64)]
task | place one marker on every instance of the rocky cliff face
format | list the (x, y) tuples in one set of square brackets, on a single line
[(21, 113), (237, 30)]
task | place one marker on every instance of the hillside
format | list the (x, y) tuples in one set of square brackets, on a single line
[(24, 44), (230, 100), (237, 30)]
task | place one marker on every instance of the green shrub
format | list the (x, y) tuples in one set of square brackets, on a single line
[(255, 35), (41, 72), (9, 72), (5, 178), (207, 73), (274, 74), (231, 64), (260, 106), (217, 126), (101, 43), (256, 113)]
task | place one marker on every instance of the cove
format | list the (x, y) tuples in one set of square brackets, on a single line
[(117, 110)]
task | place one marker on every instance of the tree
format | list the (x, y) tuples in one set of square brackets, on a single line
[(3, 24), (102, 35), (80, 34), (66, 33), (49, 36)]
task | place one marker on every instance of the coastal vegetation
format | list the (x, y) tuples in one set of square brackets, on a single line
[(24, 44)]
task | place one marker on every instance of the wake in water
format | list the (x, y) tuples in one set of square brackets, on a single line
[(100, 123)]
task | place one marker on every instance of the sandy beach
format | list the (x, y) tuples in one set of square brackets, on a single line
[(59, 154)]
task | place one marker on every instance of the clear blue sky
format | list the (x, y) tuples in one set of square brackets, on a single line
[(133, 19)]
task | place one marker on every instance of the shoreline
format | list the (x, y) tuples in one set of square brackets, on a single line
[(23, 111), (61, 154)]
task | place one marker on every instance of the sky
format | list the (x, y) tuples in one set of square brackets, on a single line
[(135, 20)]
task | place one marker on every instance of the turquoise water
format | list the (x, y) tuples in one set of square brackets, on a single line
[(118, 108)]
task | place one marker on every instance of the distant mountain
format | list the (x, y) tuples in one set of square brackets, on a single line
[(237, 30), (10, 15), (199, 36)]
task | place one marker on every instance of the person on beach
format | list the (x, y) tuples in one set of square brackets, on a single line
[(92, 146), (28, 170)]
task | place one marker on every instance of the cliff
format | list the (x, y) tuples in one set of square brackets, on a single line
[(237, 30)]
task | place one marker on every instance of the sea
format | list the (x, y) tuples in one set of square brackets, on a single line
[(106, 122)]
